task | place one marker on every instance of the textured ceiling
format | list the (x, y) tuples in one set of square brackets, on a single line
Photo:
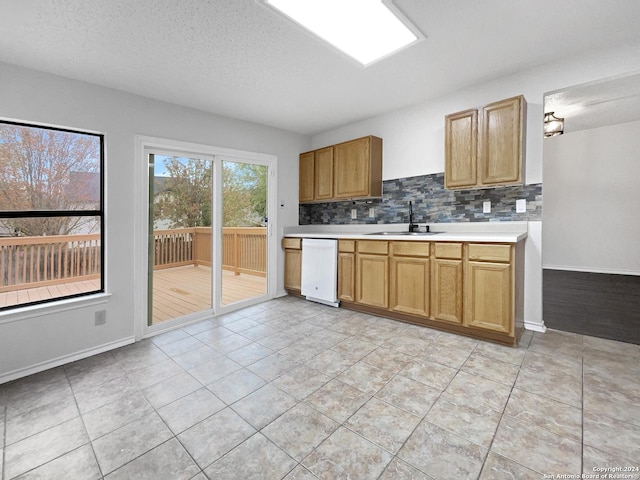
[(240, 59)]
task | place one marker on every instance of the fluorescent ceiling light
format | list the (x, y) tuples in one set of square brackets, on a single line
[(366, 30)]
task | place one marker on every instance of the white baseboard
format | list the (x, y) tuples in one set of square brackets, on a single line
[(56, 362), (536, 327)]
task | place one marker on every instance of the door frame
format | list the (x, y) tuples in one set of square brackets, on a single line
[(141, 221)]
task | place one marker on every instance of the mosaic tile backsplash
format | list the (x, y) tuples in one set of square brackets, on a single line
[(431, 204)]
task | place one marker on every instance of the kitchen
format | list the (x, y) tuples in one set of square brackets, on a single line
[(413, 153), (599, 104)]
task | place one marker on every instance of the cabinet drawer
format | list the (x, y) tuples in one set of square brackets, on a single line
[(410, 249), (293, 243), (347, 246), (373, 246), (490, 253), (449, 250)]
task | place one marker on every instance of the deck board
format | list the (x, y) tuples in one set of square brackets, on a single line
[(177, 291)]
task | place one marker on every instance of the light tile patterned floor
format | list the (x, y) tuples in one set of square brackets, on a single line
[(291, 389)]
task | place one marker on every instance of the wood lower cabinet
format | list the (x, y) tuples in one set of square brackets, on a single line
[(347, 270), (489, 288), (292, 264), (446, 290), (409, 278), (471, 288), (372, 274)]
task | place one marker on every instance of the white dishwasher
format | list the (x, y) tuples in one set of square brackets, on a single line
[(320, 270)]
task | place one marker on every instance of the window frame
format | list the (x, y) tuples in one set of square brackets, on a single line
[(100, 213)]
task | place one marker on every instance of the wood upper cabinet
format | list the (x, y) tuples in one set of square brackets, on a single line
[(489, 288), (446, 282), (485, 147), (347, 270), (292, 263), (306, 177), (502, 142), (409, 278), (358, 168), (372, 273), (351, 169), (323, 177), (461, 149)]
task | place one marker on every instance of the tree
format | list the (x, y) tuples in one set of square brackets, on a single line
[(244, 194), (254, 177), (45, 169), (184, 197)]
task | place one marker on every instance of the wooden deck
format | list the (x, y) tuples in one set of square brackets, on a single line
[(183, 290), (27, 295), (177, 291)]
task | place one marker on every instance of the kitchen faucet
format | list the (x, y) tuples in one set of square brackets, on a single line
[(412, 227)]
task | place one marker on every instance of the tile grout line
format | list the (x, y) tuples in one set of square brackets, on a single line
[(582, 412), (502, 414), (378, 347), (84, 425), (140, 390), (4, 441)]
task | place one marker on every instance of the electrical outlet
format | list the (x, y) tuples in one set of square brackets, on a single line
[(354, 213), (486, 206), (101, 317), (521, 205), (372, 212)]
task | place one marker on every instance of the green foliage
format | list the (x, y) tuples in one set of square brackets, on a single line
[(244, 194), (184, 198)]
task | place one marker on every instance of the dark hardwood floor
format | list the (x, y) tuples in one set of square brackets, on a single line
[(596, 304)]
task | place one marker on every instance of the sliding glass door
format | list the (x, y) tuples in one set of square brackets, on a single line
[(244, 231), (180, 236), (208, 235)]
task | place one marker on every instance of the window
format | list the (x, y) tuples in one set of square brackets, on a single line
[(51, 214)]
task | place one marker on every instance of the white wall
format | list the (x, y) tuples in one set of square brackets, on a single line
[(591, 200), (413, 145), (413, 138), (30, 342)]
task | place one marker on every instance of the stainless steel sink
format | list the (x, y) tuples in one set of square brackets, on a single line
[(404, 233)]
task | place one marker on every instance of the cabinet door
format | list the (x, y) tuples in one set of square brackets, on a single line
[(488, 296), (292, 269), (306, 174), (446, 294), (352, 168), (409, 292), (461, 149), (372, 280), (346, 276), (324, 173), (501, 142)]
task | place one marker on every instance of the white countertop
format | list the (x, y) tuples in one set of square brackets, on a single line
[(506, 232)]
